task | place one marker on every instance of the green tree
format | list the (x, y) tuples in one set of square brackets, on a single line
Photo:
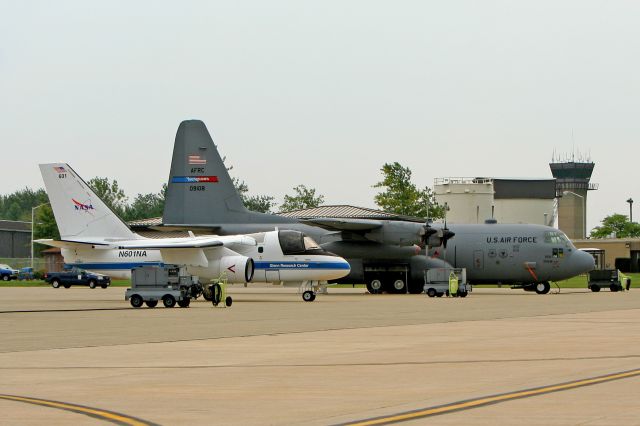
[(260, 203), (618, 225), (111, 193), (401, 196), (17, 206), (304, 198), (145, 206), (255, 203), (45, 225)]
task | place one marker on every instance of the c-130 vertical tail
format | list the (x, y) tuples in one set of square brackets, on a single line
[(200, 191)]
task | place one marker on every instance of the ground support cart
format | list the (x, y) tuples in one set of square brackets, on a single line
[(170, 284), (608, 278), (446, 281)]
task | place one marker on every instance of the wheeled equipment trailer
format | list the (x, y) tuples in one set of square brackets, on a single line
[(170, 284), (217, 294), (440, 281), (608, 278)]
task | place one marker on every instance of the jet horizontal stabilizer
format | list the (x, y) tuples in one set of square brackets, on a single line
[(67, 244)]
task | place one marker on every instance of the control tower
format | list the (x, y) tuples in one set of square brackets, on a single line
[(572, 184)]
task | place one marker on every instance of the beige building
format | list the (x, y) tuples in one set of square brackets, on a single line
[(618, 253), (474, 200)]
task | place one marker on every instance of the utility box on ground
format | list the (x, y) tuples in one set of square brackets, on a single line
[(169, 283)]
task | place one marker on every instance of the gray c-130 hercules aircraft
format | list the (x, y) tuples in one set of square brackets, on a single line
[(386, 255), (526, 256)]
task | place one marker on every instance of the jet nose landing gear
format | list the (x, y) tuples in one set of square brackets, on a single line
[(308, 296), (310, 289)]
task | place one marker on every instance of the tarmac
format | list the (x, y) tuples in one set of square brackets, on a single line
[(499, 356)]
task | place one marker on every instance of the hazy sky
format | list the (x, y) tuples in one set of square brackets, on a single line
[(323, 93)]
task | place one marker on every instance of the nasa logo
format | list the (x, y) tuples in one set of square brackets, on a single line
[(82, 206)]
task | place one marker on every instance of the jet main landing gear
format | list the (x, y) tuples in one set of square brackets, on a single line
[(543, 288)]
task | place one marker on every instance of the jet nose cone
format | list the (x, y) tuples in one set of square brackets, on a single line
[(346, 266), (342, 269), (584, 262)]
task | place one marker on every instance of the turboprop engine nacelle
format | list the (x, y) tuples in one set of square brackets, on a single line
[(398, 233), (237, 269)]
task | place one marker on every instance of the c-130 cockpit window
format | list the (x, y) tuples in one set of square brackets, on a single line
[(556, 238), (295, 242)]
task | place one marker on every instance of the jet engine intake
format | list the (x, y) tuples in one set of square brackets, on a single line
[(237, 269)]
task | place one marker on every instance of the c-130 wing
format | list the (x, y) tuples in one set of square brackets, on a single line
[(353, 225)]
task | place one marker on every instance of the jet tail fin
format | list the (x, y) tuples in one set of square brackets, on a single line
[(200, 189), (79, 212)]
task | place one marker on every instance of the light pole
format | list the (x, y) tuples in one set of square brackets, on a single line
[(584, 211), (630, 201), (33, 221)]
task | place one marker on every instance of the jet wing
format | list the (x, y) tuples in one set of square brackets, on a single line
[(185, 256), (187, 243), (182, 251), (333, 224)]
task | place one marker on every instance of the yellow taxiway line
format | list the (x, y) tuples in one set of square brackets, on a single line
[(494, 399), (97, 413)]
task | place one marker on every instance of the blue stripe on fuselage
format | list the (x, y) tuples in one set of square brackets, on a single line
[(301, 265)]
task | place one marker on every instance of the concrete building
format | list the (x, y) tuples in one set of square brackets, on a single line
[(474, 200), (618, 253), (15, 239)]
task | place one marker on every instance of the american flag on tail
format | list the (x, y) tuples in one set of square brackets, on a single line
[(196, 159)]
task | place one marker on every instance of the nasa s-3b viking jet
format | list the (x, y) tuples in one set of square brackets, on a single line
[(94, 238), (386, 255)]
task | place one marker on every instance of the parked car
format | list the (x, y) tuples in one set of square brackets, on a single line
[(8, 273), (25, 274), (77, 276)]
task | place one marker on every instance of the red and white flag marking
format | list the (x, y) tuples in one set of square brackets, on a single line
[(196, 159)]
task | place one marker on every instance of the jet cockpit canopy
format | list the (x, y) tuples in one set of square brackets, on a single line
[(296, 242)]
